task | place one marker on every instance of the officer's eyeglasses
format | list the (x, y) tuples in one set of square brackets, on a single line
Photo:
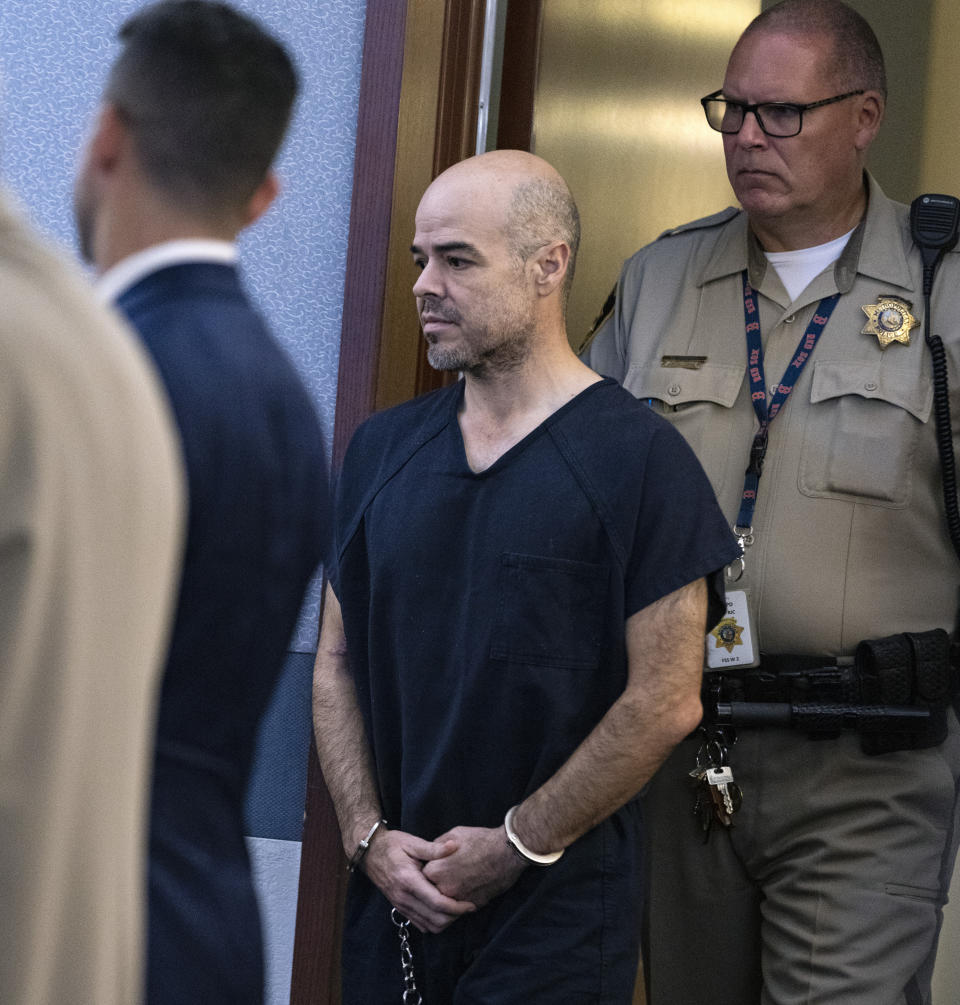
[(775, 118)]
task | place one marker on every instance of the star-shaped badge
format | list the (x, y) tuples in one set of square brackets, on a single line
[(890, 320), (728, 634)]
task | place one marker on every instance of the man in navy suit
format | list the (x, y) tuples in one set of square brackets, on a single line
[(179, 161)]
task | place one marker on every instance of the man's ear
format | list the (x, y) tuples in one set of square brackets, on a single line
[(261, 199), (551, 262), (108, 139), (870, 115)]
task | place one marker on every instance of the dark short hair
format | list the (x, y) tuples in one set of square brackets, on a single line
[(543, 210), (207, 95), (856, 60)]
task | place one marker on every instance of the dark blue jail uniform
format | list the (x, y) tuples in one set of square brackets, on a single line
[(484, 615)]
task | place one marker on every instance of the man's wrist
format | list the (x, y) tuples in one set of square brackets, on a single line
[(363, 845), (528, 856)]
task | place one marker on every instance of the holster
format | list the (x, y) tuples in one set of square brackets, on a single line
[(913, 668)]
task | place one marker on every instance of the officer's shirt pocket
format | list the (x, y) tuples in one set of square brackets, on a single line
[(551, 611), (862, 430), (699, 403)]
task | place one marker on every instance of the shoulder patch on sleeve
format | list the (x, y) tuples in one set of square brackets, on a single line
[(704, 223)]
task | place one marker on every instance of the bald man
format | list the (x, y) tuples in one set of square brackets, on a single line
[(526, 565)]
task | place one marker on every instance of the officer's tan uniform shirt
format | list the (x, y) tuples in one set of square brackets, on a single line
[(851, 540), (91, 501)]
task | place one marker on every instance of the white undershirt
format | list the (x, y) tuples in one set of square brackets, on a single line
[(797, 268)]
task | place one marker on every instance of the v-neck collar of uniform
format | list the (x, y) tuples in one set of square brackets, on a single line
[(521, 445)]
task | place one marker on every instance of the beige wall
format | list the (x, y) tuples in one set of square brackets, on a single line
[(940, 156), (617, 112), (903, 31)]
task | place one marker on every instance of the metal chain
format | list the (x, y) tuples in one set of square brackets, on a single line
[(411, 996)]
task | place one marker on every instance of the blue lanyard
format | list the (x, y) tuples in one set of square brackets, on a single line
[(758, 392)]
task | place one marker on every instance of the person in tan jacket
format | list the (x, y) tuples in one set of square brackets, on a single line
[(91, 514)]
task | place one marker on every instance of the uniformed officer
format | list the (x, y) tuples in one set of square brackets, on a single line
[(782, 340)]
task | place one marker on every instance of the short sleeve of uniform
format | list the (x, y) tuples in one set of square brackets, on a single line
[(651, 495), (681, 534)]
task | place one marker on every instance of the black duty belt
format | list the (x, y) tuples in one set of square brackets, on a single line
[(895, 691), (789, 678)]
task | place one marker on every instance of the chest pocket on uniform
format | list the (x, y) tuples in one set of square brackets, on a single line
[(862, 430), (698, 403), (551, 612)]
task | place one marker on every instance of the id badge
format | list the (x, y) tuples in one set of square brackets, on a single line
[(732, 643)]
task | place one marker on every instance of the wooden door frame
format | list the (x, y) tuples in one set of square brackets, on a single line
[(518, 82), (316, 949), (417, 115)]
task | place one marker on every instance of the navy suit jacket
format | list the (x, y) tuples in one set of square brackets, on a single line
[(257, 530)]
